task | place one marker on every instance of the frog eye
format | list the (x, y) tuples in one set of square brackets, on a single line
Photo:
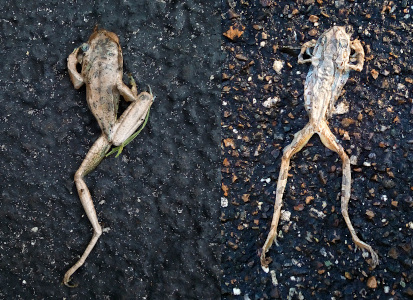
[(84, 47)]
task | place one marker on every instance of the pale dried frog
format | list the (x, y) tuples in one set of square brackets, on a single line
[(331, 63)]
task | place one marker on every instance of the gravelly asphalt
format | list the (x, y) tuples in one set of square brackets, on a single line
[(314, 257)]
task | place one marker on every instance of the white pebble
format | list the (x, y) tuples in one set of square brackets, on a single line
[(270, 102), (236, 291), (277, 66), (224, 202)]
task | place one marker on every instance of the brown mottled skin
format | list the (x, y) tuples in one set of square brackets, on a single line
[(102, 69)]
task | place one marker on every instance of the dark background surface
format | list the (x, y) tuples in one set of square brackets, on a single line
[(314, 258), (158, 202)]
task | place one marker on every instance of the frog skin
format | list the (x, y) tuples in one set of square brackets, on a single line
[(330, 67), (101, 72)]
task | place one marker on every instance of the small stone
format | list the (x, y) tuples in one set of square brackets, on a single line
[(372, 282), (313, 32), (299, 207), (346, 122), (285, 215), (277, 66), (241, 57), (234, 32), (388, 183), (270, 102), (348, 275), (236, 291), (309, 199), (393, 253), (313, 18), (229, 143), (370, 214), (246, 198), (374, 73), (224, 202), (322, 176)]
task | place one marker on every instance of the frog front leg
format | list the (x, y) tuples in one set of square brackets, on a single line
[(92, 159), (358, 55), (304, 49), (72, 62)]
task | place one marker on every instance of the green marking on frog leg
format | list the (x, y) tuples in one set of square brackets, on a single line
[(119, 148)]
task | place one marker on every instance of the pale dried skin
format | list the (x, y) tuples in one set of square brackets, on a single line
[(102, 68), (329, 71)]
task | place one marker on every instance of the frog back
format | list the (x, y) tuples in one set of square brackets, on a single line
[(327, 75), (101, 69)]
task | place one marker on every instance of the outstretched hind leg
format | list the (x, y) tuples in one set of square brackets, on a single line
[(300, 140), (330, 141), (92, 159)]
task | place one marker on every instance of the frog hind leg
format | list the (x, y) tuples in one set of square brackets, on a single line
[(131, 118), (300, 140), (330, 141), (92, 159)]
